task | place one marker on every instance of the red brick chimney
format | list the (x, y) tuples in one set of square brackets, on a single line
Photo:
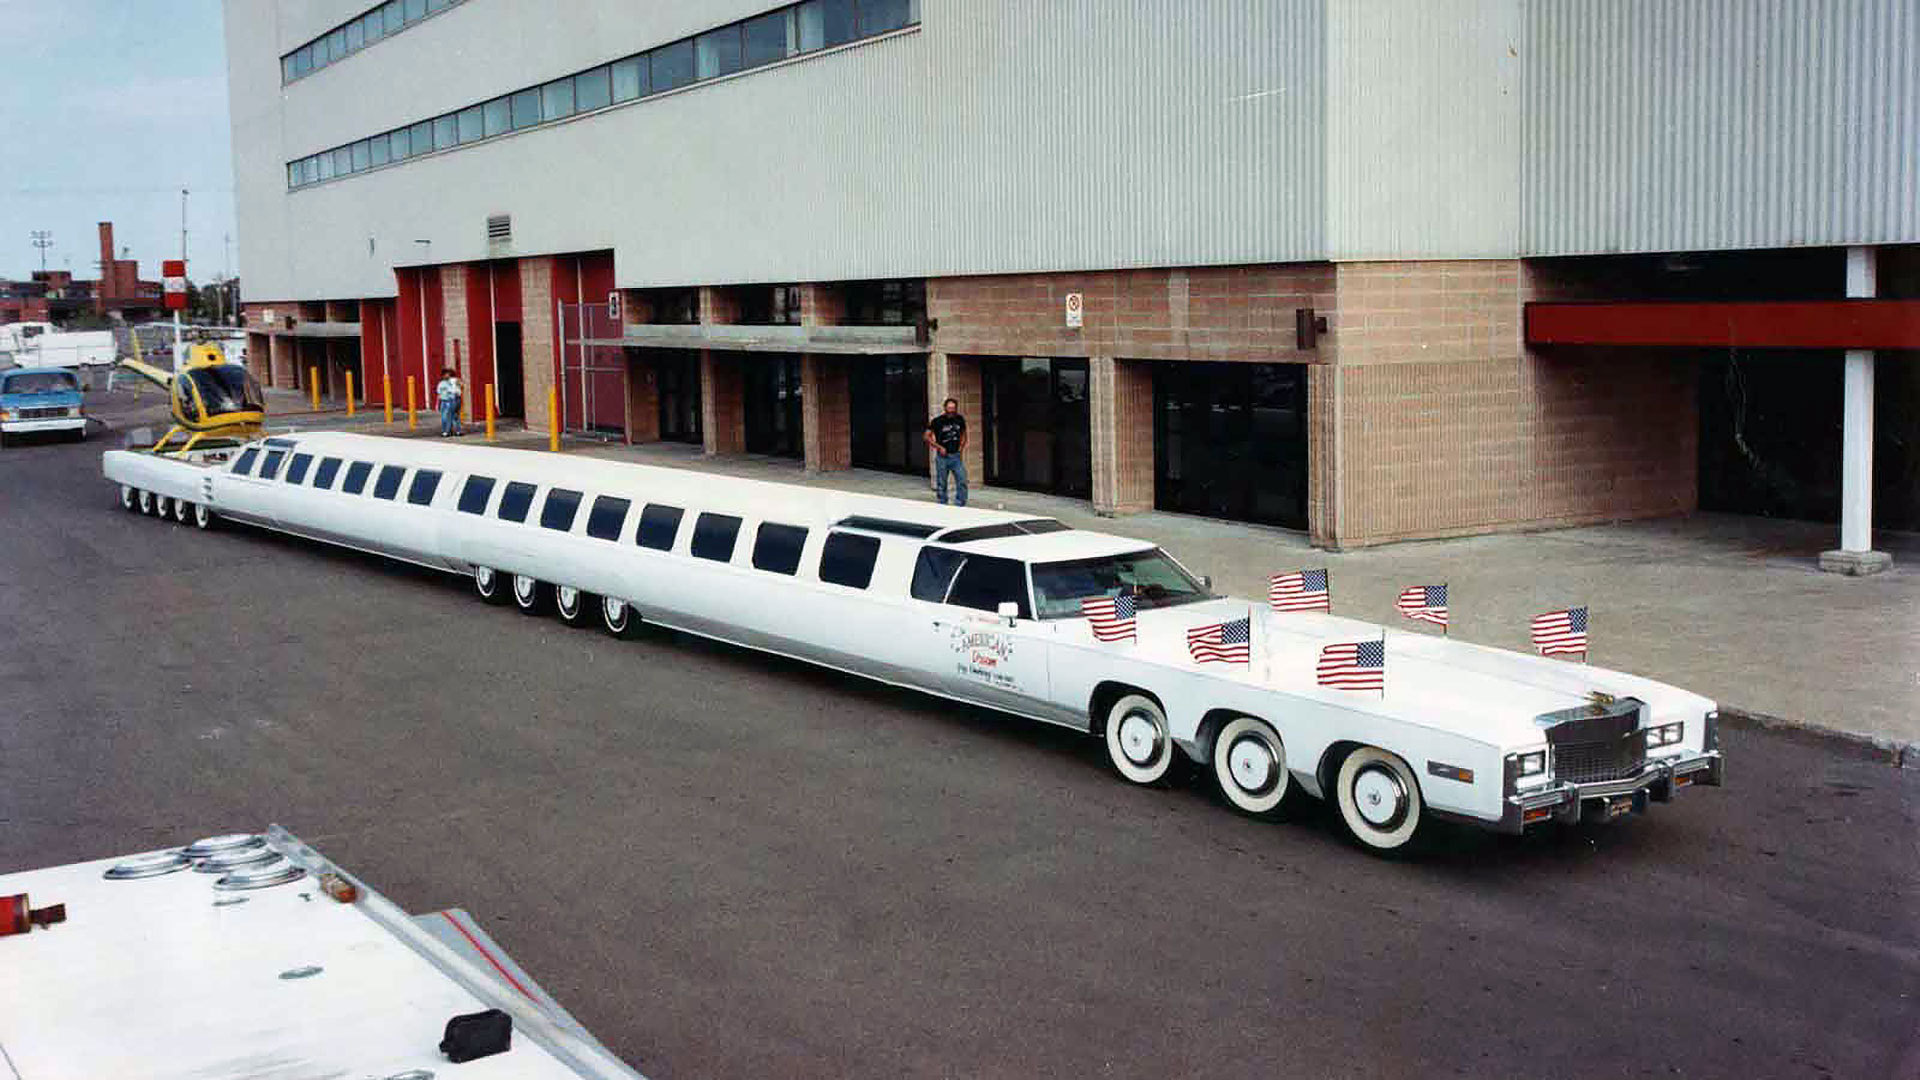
[(106, 269)]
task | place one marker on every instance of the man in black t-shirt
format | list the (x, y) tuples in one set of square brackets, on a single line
[(947, 436)]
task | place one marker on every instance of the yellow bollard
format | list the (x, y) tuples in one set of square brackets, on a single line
[(313, 387), (349, 393), (386, 395), (553, 418), (412, 421), (489, 412)]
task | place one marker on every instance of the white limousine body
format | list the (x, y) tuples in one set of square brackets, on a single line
[(982, 607)]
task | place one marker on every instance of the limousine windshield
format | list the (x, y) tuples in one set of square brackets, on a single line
[(1154, 580)]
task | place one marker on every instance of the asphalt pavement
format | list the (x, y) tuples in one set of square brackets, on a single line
[(733, 866)]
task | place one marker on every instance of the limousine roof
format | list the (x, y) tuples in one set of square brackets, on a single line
[(1055, 546), (758, 499)]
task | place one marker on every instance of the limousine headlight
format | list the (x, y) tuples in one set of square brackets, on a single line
[(1525, 766), (1665, 735)]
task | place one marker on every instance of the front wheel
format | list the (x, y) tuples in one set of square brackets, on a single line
[(617, 617), (202, 517), (531, 595), (574, 607), (1139, 744), (1250, 765), (1379, 799)]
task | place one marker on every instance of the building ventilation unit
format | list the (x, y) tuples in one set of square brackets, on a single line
[(499, 230)]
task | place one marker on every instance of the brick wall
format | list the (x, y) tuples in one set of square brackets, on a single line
[(536, 338), (1120, 403), (1241, 313), (1430, 418), (723, 417), (455, 331), (643, 397), (958, 377), (826, 418)]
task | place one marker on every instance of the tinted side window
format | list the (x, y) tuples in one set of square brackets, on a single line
[(847, 559), (934, 572), (323, 476), (297, 468), (777, 547), (388, 483), (473, 497), (609, 513), (986, 583), (357, 474), (425, 483), (560, 509), (713, 536), (244, 463), (658, 526), (270, 468), (515, 501)]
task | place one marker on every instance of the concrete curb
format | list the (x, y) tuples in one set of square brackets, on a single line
[(1896, 752)]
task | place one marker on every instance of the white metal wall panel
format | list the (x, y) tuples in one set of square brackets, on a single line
[(1003, 136), (1423, 129), (1673, 125)]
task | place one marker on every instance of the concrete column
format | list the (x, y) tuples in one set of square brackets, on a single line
[(259, 350), (958, 377), (826, 413), (643, 397), (1856, 554), (723, 412), (453, 327), (1120, 403)]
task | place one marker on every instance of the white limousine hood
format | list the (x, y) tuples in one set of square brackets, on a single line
[(1432, 681)]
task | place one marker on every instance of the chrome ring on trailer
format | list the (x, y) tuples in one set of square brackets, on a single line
[(1379, 798), (617, 617), (1250, 765), (1139, 744)]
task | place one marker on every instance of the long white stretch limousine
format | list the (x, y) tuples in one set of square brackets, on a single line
[(984, 607)]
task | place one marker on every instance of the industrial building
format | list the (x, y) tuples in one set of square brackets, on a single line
[(1373, 269)]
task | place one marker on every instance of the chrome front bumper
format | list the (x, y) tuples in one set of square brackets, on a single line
[(43, 423), (1567, 802)]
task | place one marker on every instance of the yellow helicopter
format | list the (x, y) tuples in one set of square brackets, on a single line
[(210, 399)]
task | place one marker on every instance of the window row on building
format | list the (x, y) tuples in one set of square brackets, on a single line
[(382, 21), (764, 39)]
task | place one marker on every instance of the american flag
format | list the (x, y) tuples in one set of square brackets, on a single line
[(1355, 665), (1227, 641), (1425, 603), (1561, 631), (1111, 616), (1304, 590)]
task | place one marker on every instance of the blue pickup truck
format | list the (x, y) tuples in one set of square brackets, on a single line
[(37, 399)]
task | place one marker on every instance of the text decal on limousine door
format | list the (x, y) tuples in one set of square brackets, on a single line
[(984, 653)]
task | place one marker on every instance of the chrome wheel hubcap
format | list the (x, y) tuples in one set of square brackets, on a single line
[(1380, 797), (569, 598), (523, 588), (616, 611), (1139, 738), (1252, 764), (483, 578)]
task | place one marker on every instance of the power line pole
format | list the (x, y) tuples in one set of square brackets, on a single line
[(42, 239)]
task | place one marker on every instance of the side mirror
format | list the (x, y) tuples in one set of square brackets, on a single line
[(1009, 611), (1206, 582)]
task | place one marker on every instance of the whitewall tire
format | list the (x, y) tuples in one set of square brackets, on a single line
[(574, 607), (1139, 744), (531, 595), (146, 502), (617, 617), (202, 516), (489, 585), (129, 498), (182, 510), (1250, 765), (1379, 799)]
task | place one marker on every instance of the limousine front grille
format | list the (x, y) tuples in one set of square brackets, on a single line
[(1598, 742), (1597, 762)]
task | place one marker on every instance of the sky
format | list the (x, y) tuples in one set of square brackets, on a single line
[(113, 106)]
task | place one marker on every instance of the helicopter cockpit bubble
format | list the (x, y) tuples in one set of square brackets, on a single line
[(219, 389)]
